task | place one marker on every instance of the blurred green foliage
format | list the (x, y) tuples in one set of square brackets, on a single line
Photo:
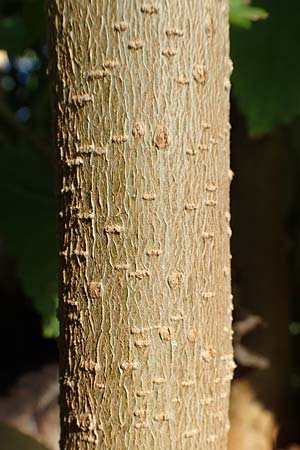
[(267, 67), (12, 439), (27, 182), (265, 85), (242, 14)]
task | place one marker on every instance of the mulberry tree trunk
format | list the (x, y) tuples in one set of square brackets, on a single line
[(142, 105)]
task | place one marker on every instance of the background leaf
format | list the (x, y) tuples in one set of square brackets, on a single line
[(29, 226), (267, 67), (242, 14)]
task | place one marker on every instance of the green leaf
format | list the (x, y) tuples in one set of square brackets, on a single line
[(242, 15), (267, 67), (28, 224)]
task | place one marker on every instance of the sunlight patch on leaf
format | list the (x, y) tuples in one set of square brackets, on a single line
[(242, 14)]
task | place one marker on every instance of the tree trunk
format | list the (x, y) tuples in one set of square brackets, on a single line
[(142, 110)]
